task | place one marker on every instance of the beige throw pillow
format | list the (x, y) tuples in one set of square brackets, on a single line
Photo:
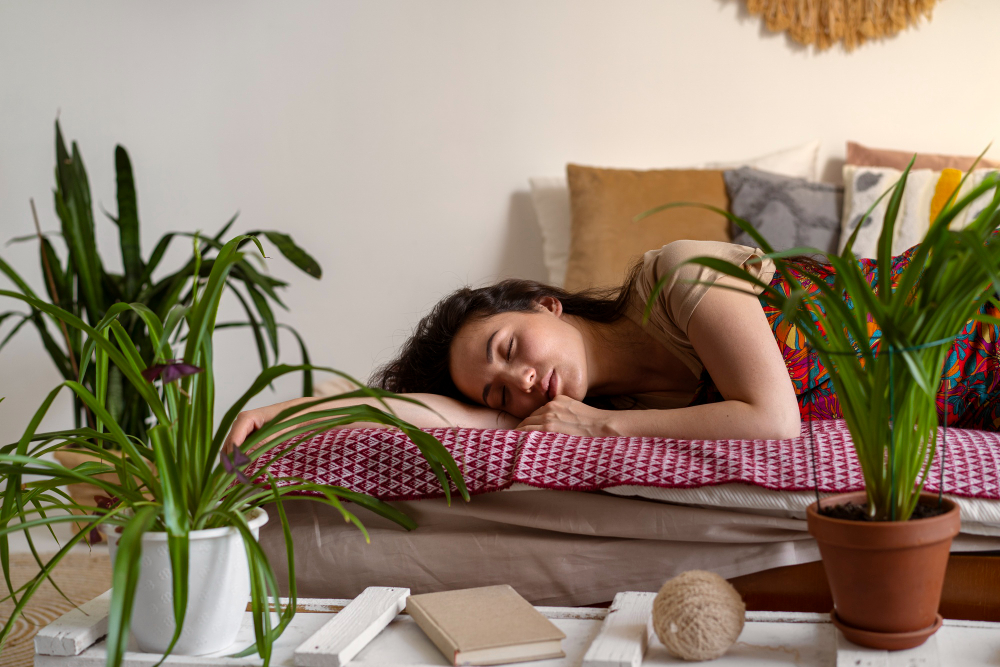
[(550, 196), (606, 242)]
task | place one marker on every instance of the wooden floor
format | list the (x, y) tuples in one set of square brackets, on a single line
[(971, 588)]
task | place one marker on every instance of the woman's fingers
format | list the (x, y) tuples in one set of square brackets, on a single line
[(245, 424), (536, 422)]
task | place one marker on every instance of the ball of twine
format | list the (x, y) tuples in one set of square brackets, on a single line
[(698, 615)]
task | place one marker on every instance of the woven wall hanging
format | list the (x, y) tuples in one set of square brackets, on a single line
[(824, 22)]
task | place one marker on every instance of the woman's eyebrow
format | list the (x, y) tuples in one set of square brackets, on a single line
[(489, 360), (489, 347)]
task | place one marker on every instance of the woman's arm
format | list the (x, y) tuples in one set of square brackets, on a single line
[(734, 342), (449, 413)]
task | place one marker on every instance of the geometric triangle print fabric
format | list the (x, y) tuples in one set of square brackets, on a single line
[(384, 463)]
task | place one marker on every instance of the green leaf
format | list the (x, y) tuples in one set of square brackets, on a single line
[(124, 580), (6, 269), (24, 320), (203, 317), (155, 257), (72, 202), (266, 316), (154, 331), (116, 357), (292, 252), (739, 222), (29, 237), (307, 374), (262, 580), (253, 324), (178, 545), (63, 294), (225, 228), (887, 235), (128, 224), (38, 580)]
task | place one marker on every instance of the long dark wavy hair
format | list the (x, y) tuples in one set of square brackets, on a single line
[(422, 364)]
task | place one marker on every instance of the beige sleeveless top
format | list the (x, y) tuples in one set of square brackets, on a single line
[(676, 303)]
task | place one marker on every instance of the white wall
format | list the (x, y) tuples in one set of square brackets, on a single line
[(394, 138)]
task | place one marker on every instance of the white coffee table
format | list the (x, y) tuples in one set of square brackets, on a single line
[(594, 638)]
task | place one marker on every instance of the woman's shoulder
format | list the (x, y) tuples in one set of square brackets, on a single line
[(676, 255), (685, 283)]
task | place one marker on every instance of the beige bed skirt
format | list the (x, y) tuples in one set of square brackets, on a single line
[(554, 547)]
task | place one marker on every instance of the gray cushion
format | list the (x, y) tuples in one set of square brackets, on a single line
[(788, 212)]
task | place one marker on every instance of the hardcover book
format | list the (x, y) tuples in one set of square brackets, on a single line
[(485, 626)]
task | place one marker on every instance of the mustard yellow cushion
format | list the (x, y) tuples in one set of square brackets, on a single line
[(605, 242)]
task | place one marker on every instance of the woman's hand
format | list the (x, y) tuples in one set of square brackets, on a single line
[(436, 412), (566, 415), (251, 420)]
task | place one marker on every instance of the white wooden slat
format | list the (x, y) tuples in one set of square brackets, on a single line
[(311, 605), (77, 629), (302, 626), (786, 617), (852, 655), (927, 654), (625, 633), (337, 642), (579, 613)]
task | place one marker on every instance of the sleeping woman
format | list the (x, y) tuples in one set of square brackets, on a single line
[(709, 363)]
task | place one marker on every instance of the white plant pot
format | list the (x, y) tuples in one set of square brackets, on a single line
[(218, 590)]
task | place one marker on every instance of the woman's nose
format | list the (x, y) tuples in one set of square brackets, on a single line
[(526, 379)]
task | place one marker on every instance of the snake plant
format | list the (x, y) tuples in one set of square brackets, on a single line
[(83, 286)]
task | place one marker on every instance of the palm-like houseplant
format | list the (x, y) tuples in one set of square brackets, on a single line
[(84, 287), (177, 483), (887, 385)]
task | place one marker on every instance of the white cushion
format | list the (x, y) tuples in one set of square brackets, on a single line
[(550, 196), (864, 185)]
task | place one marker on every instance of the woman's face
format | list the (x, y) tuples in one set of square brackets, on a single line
[(517, 362)]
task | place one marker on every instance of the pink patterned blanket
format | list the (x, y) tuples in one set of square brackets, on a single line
[(385, 464)]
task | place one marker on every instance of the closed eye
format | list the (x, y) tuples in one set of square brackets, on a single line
[(503, 391)]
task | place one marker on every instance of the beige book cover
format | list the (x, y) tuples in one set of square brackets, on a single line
[(485, 626)]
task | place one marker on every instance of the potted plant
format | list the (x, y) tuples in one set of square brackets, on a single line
[(196, 530), (84, 287), (883, 339)]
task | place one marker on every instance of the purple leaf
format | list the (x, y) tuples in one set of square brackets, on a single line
[(170, 370), (240, 458), (153, 372), (232, 464)]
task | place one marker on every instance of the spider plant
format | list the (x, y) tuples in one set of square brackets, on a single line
[(177, 482), (887, 385), (84, 287)]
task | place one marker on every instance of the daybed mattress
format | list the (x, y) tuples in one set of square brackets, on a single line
[(567, 545)]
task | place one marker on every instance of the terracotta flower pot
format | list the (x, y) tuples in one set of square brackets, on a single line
[(885, 576)]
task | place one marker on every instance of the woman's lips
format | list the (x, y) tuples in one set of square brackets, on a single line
[(552, 385)]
